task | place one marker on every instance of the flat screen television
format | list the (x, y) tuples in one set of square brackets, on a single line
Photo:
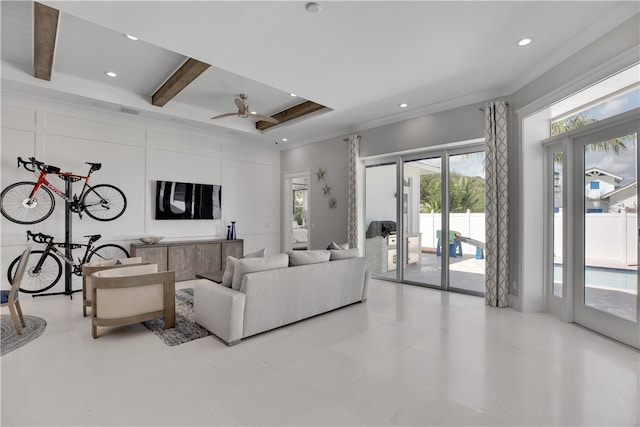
[(182, 200)]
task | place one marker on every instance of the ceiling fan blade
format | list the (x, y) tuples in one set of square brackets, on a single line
[(225, 115), (242, 107), (265, 118)]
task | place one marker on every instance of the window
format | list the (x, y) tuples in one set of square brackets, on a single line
[(619, 102), (595, 185)]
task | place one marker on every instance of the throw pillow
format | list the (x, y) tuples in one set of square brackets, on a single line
[(337, 247), (257, 254), (251, 265), (308, 257), (344, 254), (227, 276)]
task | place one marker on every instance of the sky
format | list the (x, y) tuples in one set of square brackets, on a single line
[(624, 164)]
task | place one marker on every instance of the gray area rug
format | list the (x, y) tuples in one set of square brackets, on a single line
[(186, 328), (10, 338)]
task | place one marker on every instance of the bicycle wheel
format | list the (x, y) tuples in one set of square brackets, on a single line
[(107, 252), (104, 202), (14, 207), (33, 283)]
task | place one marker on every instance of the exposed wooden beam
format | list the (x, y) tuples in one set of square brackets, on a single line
[(45, 29), (294, 112), (187, 73)]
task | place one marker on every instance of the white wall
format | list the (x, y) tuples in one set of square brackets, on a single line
[(325, 224), (135, 152)]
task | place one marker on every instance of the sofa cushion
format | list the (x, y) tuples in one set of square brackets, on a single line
[(308, 257), (251, 265), (337, 247), (227, 276), (344, 254)]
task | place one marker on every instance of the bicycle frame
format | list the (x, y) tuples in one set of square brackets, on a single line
[(42, 180), (52, 247)]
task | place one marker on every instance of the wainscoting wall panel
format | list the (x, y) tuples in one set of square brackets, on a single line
[(135, 152)]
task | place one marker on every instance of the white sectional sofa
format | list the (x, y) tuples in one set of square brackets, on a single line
[(279, 290)]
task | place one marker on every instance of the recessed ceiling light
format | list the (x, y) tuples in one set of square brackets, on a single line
[(130, 37), (293, 94), (110, 73), (524, 41), (312, 7), (403, 105), (284, 139)]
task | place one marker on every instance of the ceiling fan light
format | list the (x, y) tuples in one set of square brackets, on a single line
[(254, 113)]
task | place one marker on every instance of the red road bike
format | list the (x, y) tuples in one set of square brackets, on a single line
[(32, 202)]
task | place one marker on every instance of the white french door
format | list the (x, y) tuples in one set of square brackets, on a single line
[(592, 227)]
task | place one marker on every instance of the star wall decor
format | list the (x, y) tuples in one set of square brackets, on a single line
[(326, 189), (332, 203), (320, 175)]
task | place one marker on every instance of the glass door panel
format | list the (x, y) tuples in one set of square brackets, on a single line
[(557, 224), (610, 264), (381, 247), (466, 237), (422, 220)]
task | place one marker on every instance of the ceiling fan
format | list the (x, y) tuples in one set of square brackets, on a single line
[(244, 111)]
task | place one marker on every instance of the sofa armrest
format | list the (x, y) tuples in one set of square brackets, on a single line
[(219, 309)]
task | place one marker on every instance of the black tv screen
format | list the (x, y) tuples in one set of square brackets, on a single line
[(182, 200)]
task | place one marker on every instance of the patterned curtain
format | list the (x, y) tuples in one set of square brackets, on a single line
[(352, 202), (496, 205)]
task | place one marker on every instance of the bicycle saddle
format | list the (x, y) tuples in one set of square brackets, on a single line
[(94, 166), (94, 237)]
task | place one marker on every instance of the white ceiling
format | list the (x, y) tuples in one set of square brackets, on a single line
[(361, 59)]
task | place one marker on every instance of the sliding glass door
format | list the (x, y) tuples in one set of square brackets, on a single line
[(422, 223), (466, 222), (381, 248), (433, 233)]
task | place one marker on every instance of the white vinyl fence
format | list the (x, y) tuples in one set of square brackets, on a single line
[(610, 237), (467, 224)]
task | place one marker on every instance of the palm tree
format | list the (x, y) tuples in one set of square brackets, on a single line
[(616, 145)]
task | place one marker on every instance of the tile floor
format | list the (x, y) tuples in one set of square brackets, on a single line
[(408, 356)]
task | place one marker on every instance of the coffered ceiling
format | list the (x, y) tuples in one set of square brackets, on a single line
[(360, 60)]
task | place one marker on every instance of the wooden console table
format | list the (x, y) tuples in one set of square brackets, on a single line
[(188, 258)]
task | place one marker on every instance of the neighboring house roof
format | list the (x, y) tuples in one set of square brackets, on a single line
[(619, 190), (595, 172)]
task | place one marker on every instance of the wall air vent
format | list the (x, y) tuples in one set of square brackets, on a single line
[(129, 110)]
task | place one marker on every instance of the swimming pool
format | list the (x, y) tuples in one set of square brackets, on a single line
[(607, 277)]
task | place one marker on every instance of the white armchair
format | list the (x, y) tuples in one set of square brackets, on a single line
[(91, 267), (132, 294)]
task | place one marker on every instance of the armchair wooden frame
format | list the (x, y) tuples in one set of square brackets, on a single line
[(12, 295), (87, 271), (166, 278)]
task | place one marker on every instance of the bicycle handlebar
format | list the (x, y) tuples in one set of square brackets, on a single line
[(31, 165), (39, 237)]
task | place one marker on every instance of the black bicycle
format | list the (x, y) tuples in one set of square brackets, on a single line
[(44, 268)]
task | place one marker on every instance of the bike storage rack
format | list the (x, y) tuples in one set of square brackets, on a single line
[(91, 197), (68, 273)]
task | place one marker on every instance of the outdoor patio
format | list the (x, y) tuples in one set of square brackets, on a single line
[(467, 273)]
